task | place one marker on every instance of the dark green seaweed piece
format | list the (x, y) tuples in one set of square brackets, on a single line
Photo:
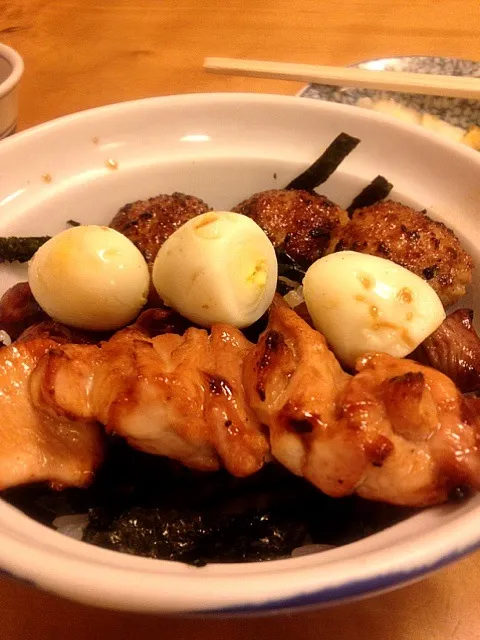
[(326, 164), (195, 537), (291, 273), (289, 268), (377, 190), (203, 517), (74, 223), (20, 249)]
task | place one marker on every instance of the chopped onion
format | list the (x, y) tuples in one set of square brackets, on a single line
[(294, 297), (5, 338)]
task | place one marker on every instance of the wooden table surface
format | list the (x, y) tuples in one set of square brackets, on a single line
[(84, 53)]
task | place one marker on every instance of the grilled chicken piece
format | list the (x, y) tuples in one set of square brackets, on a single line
[(292, 381), (299, 223), (422, 435), (396, 432), (413, 240), (148, 223), (35, 447), (176, 396), (454, 349)]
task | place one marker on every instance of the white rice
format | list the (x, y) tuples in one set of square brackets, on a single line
[(71, 526)]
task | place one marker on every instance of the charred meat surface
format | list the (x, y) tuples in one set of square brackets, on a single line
[(19, 310), (148, 223), (158, 321), (413, 240), (60, 333), (298, 223), (454, 349)]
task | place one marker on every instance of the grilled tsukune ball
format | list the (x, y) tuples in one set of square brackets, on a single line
[(299, 223), (413, 240), (148, 223)]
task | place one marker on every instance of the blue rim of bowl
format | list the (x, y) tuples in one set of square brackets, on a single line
[(348, 591)]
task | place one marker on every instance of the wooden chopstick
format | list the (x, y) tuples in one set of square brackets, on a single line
[(451, 86)]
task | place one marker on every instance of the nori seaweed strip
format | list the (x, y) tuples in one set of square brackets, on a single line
[(377, 190), (198, 537), (289, 268), (74, 223), (20, 249), (326, 164)]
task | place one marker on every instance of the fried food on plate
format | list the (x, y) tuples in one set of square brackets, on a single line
[(19, 310)]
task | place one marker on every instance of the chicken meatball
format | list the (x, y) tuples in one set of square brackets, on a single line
[(297, 222), (148, 223), (413, 240)]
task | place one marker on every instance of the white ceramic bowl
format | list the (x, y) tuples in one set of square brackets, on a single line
[(11, 71), (223, 148)]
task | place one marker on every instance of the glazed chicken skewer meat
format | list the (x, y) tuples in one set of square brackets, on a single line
[(34, 446), (176, 396), (397, 431)]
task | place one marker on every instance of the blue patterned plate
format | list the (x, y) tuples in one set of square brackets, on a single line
[(456, 111)]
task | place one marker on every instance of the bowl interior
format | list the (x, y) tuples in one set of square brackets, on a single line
[(222, 149)]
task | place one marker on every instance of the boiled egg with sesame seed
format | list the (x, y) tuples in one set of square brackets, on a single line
[(362, 303), (90, 277), (217, 267)]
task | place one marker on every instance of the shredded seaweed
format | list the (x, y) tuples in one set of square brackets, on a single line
[(377, 190), (326, 164), (203, 517), (74, 223), (197, 538), (17, 249)]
